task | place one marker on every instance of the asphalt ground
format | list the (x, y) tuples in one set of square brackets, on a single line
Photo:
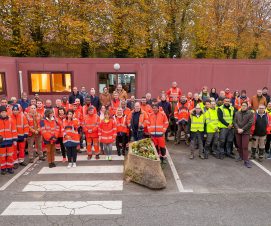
[(215, 192)]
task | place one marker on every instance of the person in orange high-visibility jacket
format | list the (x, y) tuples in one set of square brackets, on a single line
[(87, 105), (145, 107), (115, 104), (50, 132), (8, 137), (22, 131), (138, 121), (40, 108), (241, 99), (174, 91), (107, 134), (71, 137), (122, 131), (65, 103), (157, 128), (90, 127), (181, 115), (78, 113), (61, 115), (126, 110)]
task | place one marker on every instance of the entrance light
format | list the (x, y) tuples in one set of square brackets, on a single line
[(116, 66)]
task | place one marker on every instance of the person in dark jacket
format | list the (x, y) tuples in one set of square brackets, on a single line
[(266, 95), (225, 116), (243, 121), (24, 102), (131, 103), (95, 101), (75, 94), (213, 93), (259, 131), (167, 109)]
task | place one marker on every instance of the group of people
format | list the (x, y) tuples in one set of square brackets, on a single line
[(213, 123)]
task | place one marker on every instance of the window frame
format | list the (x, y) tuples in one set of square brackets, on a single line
[(3, 77), (51, 87), (117, 73)]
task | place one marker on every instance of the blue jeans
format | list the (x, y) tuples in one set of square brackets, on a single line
[(107, 148)]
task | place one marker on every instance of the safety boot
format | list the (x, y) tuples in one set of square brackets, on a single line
[(192, 156), (261, 154), (253, 153)]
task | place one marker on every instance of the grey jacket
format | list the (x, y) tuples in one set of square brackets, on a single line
[(243, 120)]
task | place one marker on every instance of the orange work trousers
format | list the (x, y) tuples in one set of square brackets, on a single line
[(18, 152), (95, 142), (6, 157)]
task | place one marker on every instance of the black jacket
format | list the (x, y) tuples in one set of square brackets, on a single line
[(73, 96), (261, 123), (220, 115), (166, 107), (95, 101)]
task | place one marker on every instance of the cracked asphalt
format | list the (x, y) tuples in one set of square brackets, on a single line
[(224, 193)]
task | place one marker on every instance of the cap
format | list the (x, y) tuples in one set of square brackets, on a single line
[(3, 108), (15, 107)]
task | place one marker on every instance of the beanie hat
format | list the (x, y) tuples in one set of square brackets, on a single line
[(3, 108), (15, 107)]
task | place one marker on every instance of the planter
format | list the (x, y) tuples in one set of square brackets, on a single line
[(144, 171)]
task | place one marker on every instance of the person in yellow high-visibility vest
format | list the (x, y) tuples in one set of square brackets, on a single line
[(196, 127), (225, 116), (212, 131)]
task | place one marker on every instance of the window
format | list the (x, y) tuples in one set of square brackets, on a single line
[(2, 83), (50, 82), (127, 80)]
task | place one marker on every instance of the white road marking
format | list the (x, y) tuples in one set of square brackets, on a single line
[(82, 169), (261, 167), (18, 175), (101, 185), (84, 158), (176, 176), (63, 208)]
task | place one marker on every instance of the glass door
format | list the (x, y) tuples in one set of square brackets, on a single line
[(110, 80)]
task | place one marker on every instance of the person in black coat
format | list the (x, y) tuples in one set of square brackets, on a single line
[(75, 94), (95, 101), (131, 103), (167, 109), (266, 95), (213, 93)]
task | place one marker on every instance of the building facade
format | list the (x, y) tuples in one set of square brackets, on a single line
[(55, 77)]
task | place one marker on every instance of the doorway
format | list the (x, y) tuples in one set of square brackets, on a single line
[(111, 80)]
